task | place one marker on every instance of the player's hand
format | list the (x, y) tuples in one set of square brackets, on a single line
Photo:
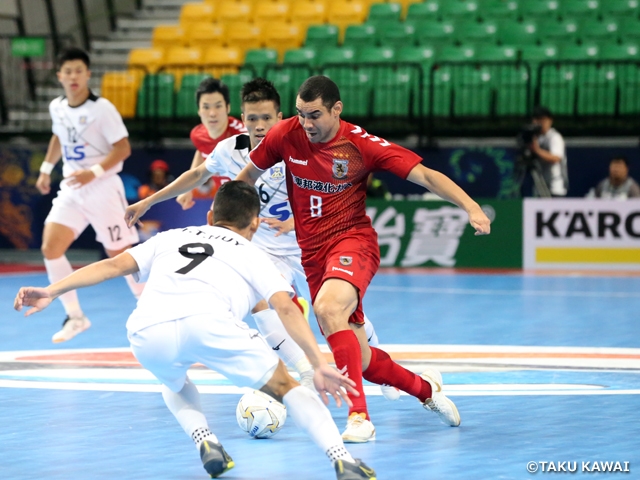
[(80, 178), (35, 297), (279, 226), (479, 220), (43, 184), (133, 213), (327, 379), (185, 200)]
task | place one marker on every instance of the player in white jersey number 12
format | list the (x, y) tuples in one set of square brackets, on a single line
[(261, 111), (91, 139)]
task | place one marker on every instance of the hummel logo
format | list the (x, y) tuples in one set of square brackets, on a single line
[(299, 162), (343, 371), (277, 347)]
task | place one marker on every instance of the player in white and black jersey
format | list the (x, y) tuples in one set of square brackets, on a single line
[(91, 139), (201, 282), (276, 236)]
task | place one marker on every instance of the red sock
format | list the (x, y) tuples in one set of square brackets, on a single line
[(346, 352), (384, 371)]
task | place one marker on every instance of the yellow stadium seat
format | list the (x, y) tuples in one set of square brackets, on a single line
[(265, 13), (219, 61), (202, 35), (244, 36), (121, 89), (283, 36), (145, 59), (191, 13), (343, 13), (307, 13), (168, 36), (231, 12), (180, 60)]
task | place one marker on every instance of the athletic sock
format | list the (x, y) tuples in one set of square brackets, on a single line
[(135, 287), (276, 335), (185, 406), (56, 270), (372, 337), (348, 357), (310, 414), (384, 371)]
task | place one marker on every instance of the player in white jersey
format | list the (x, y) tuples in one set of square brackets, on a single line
[(261, 110), (201, 282), (91, 139)]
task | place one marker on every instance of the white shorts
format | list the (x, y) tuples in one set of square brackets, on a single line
[(291, 269), (225, 345), (101, 204)]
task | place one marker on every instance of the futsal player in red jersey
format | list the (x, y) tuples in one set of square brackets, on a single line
[(212, 98), (328, 161)]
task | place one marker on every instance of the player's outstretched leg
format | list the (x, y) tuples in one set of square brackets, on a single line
[(426, 388), (389, 392)]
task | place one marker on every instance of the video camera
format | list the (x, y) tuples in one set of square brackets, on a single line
[(527, 161), (527, 133)]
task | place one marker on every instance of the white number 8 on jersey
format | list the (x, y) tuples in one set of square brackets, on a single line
[(316, 206)]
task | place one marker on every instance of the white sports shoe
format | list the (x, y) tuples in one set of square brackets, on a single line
[(389, 392), (359, 429), (70, 328), (439, 403)]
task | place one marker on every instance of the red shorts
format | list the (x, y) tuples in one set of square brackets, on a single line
[(353, 257)]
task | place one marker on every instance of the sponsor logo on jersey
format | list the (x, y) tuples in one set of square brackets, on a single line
[(346, 261), (299, 162), (318, 186), (342, 270), (340, 168), (276, 172), (82, 120)]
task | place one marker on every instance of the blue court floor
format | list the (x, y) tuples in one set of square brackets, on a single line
[(543, 369)]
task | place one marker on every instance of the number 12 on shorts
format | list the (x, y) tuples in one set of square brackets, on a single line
[(316, 205)]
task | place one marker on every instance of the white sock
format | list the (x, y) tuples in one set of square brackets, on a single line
[(310, 414), (371, 332), (185, 406), (136, 288), (56, 270), (276, 335)]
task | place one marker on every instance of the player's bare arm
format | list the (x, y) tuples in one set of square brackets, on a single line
[(444, 187), (250, 174), (53, 156), (184, 183), (40, 298), (281, 227), (186, 199), (121, 151)]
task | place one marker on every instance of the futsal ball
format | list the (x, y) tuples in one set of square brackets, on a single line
[(260, 415)]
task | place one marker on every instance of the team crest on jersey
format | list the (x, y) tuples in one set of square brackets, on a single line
[(346, 261), (340, 168), (276, 173)]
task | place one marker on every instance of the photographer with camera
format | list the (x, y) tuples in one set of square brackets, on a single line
[(548, 148)]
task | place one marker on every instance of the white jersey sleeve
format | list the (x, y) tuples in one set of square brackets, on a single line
[(112, 125), (143, 254)]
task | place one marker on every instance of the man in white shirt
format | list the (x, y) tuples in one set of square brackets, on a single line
[(90, 137), (201, 282), (549, 148)]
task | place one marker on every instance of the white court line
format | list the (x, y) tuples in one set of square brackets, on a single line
[(526, 293)]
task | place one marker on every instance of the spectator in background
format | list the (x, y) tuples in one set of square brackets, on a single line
[(159, 178), (549, 148), (618, 185)]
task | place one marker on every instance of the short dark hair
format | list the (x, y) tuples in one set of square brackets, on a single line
[(541, 112), (236, 203), (212, 85), (621, 158), (260, 90), (320, 87), (72, 53)]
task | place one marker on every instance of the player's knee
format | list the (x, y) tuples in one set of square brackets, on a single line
[(50, 250), (330, 314)]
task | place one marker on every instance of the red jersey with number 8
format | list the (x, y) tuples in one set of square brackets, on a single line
[(327, 182)]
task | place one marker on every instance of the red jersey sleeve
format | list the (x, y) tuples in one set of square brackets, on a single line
[(268, 151)]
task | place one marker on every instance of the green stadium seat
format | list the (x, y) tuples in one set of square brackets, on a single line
[(511, 86), (322, 36), (393, 94), (606, 29), (456, 54), (398, 35), (434, 33), (580, 8), (384, 12), (287, 80), (620, 8), (597, 90), (533, 55), (186, 96), (235, 81), (260, 59), (473, 90), (424, 55), (500, 9), (615, 51), (363, 35), (355, 89), (558, 88), (516, 33), (562, 31), (455, 9), (628, 28), (423, 11), (155, 97), (337, 55), (442, 93), (586, 51), (376, 55), (301, 56), (539, 9), (484, 32), (629, 81), (492, 53)]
